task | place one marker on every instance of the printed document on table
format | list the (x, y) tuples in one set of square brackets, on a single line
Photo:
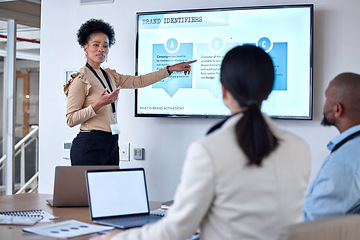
[(66, 229)]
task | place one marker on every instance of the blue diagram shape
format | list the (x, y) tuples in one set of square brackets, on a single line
[(265, 44), (278, 51), (162, 58), (208, 66), (172, 45), (280, 57), (217, 45)]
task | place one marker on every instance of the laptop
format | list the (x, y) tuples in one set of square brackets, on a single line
[(119, 198), (70, 186)]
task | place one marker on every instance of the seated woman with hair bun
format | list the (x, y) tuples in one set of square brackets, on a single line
[(247, 179)]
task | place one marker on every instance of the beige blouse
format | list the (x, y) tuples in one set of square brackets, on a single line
[(83, 89)]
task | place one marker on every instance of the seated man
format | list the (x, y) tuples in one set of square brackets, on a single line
[(336, 188)]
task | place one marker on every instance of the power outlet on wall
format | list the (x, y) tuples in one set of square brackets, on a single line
[(125, 152)]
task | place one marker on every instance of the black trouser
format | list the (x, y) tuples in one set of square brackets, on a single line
[(95, 148)]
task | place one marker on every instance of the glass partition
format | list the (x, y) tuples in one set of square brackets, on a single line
[(26, 101)]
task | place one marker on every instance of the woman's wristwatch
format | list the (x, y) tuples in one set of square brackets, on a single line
[(168, 70)]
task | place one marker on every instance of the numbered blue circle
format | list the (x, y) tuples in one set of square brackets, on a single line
[(265, 44), (172, 45), (217, 44)]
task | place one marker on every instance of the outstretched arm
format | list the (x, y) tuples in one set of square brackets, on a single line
[(129, 81), (182, 67)]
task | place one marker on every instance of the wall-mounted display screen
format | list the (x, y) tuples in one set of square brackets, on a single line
[(166, 38)]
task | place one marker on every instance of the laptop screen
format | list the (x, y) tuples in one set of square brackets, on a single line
[(117, 192)]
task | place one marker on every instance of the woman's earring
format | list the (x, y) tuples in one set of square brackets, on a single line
[(106, 58), (85, 56)]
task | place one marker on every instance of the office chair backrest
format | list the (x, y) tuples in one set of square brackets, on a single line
[(335, 228)]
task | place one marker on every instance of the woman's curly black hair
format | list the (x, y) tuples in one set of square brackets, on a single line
[(95, 26)]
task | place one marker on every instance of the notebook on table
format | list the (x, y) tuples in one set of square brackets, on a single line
[(119, 198), (70, 186), (29, 217)]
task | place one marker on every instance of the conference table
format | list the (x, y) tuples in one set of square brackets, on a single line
[(33, 201)]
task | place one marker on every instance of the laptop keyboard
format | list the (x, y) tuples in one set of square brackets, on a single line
[(131, 218)]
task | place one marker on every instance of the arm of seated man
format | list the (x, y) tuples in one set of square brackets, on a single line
[(335, 191)]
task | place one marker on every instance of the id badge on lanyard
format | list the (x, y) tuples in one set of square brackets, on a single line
[(114, 126)]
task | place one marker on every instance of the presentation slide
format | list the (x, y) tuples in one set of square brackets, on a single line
[(206, 36)]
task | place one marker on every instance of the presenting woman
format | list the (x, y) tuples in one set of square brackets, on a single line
[(247, 179), (92, 96)]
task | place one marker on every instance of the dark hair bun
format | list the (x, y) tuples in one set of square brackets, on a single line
[(95, 26)]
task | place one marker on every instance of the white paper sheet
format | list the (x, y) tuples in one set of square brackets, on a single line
[(66, 229)]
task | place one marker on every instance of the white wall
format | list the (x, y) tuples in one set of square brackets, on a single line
[(166, 140)]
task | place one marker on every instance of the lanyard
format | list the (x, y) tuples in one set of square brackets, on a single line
[(102, 83), (348, 138)]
